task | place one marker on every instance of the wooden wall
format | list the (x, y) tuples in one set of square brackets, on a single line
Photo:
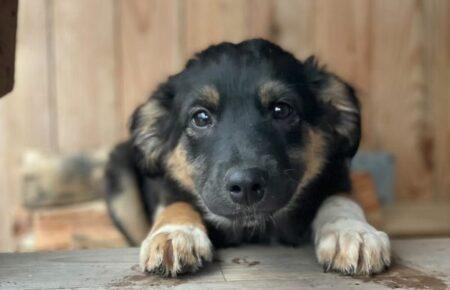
[(83, 66)]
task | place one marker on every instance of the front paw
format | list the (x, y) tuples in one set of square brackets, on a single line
[(175, 249), (352, 247)]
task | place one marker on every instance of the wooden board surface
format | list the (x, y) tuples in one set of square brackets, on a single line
[(421, 264), (398, 39), (148, 50), (71, 227), (84, 64), (408, 219), (437, 72), (26, 116)]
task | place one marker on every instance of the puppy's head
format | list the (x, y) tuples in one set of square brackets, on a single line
[(246, 126)]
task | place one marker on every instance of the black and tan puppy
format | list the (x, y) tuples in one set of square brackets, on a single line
[(246, 144)]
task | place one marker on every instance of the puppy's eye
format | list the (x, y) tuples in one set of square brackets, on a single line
[(201, 119), (281, 111)]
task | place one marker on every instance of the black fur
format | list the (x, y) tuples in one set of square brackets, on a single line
[(243, 135)]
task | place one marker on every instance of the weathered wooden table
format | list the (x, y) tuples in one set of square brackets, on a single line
[(421, 264)]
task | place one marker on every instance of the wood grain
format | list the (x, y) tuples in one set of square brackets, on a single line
[(428, 219), (420, 264), (397, 93), (209, 22), (294, 26), (83, 44), (435, 149), (260, 19), (149, 49), (26, 114), (342, 43), (72, 227), (82, 67)]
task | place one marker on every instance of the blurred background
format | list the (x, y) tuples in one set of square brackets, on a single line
[(82, 66)]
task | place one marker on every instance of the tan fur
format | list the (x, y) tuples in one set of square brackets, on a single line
[(145, 134), (179, 213), (127, 208), (178, 242), (336, 94), (312, 155), (180, 168), (271, 89), (210, 95)]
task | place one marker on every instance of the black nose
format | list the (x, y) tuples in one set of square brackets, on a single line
[(246, 186)]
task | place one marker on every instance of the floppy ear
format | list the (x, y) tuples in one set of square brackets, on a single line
[(150, 127), (341, 107)]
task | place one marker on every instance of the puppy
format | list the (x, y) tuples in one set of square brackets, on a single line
[(246, 144)]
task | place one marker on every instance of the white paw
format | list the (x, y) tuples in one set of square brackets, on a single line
[(352, 247), (175, 249)]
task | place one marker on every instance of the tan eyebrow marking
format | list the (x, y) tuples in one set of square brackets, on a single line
[(270, 90), (210, 95)]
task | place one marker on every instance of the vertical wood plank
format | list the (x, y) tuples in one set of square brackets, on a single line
[(85, 73), (6, 238), (209, 22), (397, 91), (260, 19), (149, 36), (83, 66), (437, 76), (294, 26), (25, 114), (341, 31), (342, 39)]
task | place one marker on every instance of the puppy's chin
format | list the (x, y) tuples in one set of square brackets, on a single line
[(249, 218), (237, 213)]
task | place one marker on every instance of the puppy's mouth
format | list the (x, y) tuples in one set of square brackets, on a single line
[(249, 217), (222, 207)]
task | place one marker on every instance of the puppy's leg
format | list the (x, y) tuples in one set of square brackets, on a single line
[(177, 242), (345, 242)]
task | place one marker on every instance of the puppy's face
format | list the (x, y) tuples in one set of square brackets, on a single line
[(245, 127)]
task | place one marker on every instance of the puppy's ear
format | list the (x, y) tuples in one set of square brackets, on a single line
[(150, 126), (341, 107)]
